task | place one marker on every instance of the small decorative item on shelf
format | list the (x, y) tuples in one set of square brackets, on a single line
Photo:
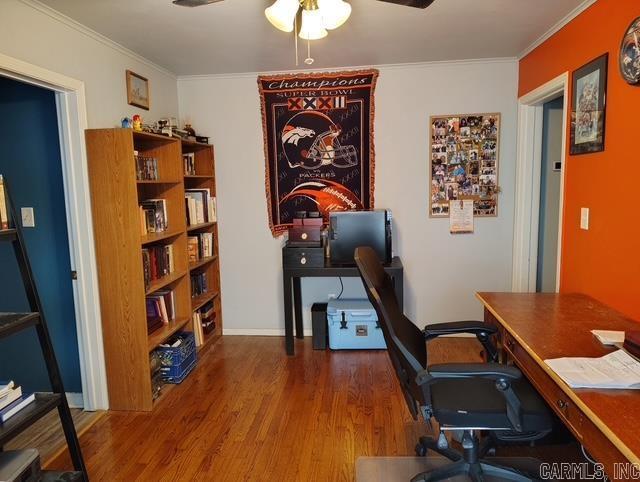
[(126, 122), (190, 131), (202, 139), (137, 123)]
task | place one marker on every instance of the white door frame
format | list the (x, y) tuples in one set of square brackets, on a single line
[(72, 122), (528, 168)]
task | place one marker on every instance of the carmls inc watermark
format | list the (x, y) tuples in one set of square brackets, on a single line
[(587, 471)]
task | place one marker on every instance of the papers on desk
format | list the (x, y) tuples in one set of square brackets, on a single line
[(615, 370), (608, 337)]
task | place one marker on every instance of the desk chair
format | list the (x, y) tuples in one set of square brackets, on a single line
[(467, 397)]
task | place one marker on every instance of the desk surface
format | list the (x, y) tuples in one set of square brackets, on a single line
[(558, 325)]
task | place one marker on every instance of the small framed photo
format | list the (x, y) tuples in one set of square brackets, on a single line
[(588, 107), (137, 90)]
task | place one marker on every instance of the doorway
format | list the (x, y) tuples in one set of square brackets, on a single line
[(31, 164), (549, 210), (539, 200), (72, 121)]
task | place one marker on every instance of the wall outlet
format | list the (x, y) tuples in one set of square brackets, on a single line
[(584, 218), (28, 221), (332, 296)]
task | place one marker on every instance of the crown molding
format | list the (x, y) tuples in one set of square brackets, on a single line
[(556, 27), (408, 65), (83, 29)]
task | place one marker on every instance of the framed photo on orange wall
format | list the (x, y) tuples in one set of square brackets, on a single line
[(588, 106)]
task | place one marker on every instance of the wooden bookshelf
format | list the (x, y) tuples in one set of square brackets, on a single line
[(116, 195), (205, 178)]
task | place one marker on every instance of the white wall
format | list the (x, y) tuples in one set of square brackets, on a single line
[(442, 271), (36, 34)]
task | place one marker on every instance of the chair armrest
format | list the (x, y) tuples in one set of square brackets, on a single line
[(492, 371), (502, 375), (478, 328), (456, 327)]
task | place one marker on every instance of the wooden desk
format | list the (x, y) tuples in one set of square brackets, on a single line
[(535, 327)]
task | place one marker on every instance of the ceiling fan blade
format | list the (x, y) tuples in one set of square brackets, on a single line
[(194, 3), (411, 3)]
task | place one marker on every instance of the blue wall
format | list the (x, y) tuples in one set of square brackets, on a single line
[(30, 161)]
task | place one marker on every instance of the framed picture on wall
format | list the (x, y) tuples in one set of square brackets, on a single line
[(137, 90), (588, 107)]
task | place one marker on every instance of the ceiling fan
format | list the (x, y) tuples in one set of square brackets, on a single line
[(408, 3)]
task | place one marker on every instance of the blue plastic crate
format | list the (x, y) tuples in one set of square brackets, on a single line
[(177, 363)]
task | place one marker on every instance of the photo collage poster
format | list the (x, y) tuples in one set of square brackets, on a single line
[(464, 162)]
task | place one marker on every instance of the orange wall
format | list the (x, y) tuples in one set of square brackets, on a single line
[(604, 261)]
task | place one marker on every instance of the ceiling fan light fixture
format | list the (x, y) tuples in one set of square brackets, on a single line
[(334, 12), (312, 25), (282, 13)]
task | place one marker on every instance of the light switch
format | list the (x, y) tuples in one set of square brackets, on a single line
[(28, 221), (584, 218)]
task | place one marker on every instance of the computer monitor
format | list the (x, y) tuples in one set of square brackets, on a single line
[(350, 229)]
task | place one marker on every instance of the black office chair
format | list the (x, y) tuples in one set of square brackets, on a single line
[(468, 397)]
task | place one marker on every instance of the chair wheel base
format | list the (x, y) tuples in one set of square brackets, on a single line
[(421, 450)]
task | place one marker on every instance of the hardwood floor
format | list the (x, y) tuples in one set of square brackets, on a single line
[(248, 412)]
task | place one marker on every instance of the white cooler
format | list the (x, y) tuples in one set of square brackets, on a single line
[(353, 325)]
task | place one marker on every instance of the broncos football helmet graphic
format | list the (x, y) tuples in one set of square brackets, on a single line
[(310, 140)]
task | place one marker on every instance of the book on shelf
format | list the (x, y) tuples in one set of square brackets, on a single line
[(199, 284), (4, 216), (146, 167), (153, 216), (200, 206), (200, 246), (9, 393), (204, 321), (16, 406), (161, 309), (189, 160), (157, 261)]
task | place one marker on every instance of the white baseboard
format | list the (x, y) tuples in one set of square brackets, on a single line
[(75, 400), (256, 332)]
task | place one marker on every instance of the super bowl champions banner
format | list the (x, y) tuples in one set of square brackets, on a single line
[(318, 143)]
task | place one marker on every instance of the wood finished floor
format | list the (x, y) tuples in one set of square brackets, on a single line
[(248, 412)]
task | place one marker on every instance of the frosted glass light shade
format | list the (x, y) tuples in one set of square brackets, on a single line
[(312, 26), (282, 13), (334, 12)]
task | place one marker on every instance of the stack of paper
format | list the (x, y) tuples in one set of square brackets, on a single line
[(608, 337), (615, 370)]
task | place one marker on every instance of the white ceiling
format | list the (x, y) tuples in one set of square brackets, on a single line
[(234, 36)]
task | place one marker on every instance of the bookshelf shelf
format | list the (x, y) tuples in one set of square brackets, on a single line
[(202, 262), (165, 281), (7, 234), (116, 200), (155, 237), (11, 323), (161, 334), (197, 227), (198, 177), (158, 182), (43, 404), (203, 299)]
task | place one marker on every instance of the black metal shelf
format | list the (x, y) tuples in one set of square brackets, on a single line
[(11, 323), (7, 234), (43, 404)]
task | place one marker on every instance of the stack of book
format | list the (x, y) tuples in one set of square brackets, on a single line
[(146, 167), (204, 322), (4, 217), (201, 207), (189, 163), (200, 246), (153, 216), (157, 261), (161, 309), (12, 400), (198, 284)]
